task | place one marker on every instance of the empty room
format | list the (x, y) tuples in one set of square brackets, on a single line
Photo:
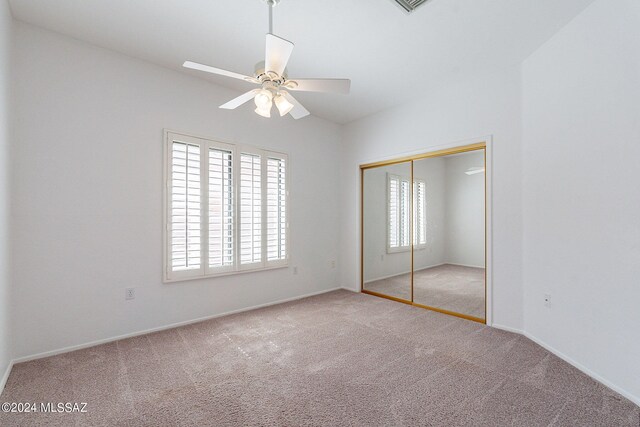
[(319, 213)]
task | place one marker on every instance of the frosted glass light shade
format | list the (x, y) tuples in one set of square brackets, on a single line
[(283, 105)]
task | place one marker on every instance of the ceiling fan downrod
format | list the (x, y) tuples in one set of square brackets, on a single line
[(271, 4)]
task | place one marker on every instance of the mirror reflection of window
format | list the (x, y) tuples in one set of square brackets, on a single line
[(419, 214), (398, 213), (398, 218)]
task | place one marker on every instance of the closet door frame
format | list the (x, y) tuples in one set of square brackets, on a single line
[(482, 145)]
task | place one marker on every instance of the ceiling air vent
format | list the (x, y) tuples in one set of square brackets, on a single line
[(410, 5)]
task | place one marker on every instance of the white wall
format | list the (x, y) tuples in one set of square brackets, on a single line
[(582, 193), (5, 305), (464, 207), (87, 200), (483, 104)]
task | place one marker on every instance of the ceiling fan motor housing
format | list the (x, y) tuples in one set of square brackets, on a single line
[(270, 86), (262, 75)]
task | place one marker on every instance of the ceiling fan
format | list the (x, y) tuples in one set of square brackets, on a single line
[(271, 75)]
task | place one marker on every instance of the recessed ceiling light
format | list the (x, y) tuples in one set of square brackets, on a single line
[(473, 171)]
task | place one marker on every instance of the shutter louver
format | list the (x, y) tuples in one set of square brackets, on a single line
[(185, 215), (250, 209), (276, 210), (221, 212)]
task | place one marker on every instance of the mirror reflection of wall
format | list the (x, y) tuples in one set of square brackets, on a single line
[(449, 273), (387, 243)]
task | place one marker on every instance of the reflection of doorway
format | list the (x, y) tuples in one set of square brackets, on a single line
[(425, 244)]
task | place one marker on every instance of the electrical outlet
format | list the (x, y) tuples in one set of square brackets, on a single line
[(333, 263), (130, 293), (547, 300), (295, 270)]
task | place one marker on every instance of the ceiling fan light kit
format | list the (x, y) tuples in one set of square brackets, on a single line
[(263, 98), (283, 106), (272, 76)]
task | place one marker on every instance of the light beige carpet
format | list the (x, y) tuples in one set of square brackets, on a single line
[(339, 359), (450, 287)]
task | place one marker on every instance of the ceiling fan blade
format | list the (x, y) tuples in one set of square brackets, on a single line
[(236, 102), (277, 54), (220, 71), (298, 111), (320, 85)]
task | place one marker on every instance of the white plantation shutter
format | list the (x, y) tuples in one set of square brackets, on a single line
[(419, 213), (404, 213), (185, 217), (399, 209), (394, 202), (221, 208), (226, 208), (276, 209), (250, 209)]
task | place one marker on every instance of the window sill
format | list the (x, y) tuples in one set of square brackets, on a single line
[(406, 249), (226, 273)]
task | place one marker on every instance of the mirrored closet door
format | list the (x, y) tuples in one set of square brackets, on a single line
[(387, 227), (424, 231)]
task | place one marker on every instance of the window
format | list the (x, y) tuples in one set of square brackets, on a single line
[(226, 208), (399, 194)]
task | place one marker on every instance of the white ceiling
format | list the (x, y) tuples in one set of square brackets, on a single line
[(389, 55)]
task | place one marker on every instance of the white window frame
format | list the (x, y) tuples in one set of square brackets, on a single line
[(205, 271), (405, 248)]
